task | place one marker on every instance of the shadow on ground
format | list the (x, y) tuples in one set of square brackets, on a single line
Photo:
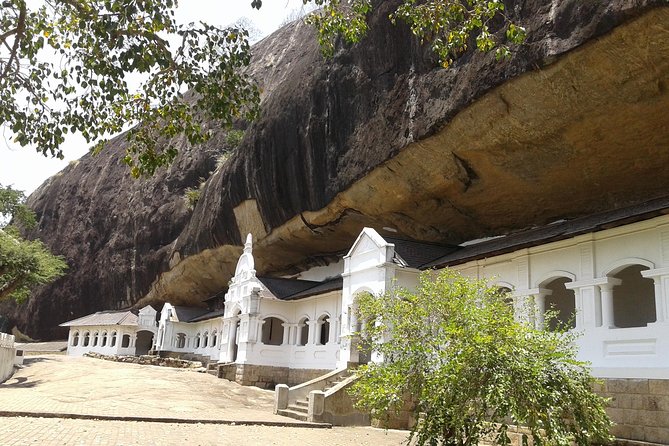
[(20, 382)]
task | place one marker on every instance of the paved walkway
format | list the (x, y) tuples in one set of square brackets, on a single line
[(56, 384)]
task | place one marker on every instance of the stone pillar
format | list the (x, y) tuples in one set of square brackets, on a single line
[(316, 406), (232, 338), (661, 280), (312, 331), (280, 397), (588, 302), (286, 334), (606, 290), (539, 310)]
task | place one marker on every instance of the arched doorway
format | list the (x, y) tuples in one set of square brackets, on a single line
[(144, 342), (634, 298), (562, 302)]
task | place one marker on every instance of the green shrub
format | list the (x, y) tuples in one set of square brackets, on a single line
[(472, 370)]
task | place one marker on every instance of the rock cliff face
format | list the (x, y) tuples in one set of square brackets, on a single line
[(575, 122)]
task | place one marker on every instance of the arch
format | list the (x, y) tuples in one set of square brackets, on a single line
[(561, 300), (552, 275), (634, 298), (144, 342), (198, 338), (235, 311), (112, 341), (205, 339), (181, 340), (323, 329), (272, 330), (95, 339), (87, 338), (75, 339), (125, 341), (214, 337), (303, 336), (103, 339), (617, 266)]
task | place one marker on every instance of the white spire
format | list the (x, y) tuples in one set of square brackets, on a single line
[(248, 246)]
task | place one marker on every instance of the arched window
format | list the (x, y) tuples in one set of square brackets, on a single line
[(272, 331), (125, 341), (181, 340), (205, 339), (103, 339), (95, 339), (87, 339), (304, 331), (562, 301), (197, 341), (75, 339), (634, 298), (112, 341), (505, 292), (323, 329), (213, 338)]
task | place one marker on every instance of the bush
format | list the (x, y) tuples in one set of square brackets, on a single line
[(472, 370), (192, 196)]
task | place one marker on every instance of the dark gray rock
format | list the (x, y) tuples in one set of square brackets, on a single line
[(378, 135)]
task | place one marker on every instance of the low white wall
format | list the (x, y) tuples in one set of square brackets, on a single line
[(7, 356)]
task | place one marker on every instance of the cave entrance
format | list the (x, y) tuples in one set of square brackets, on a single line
[(144, 342)]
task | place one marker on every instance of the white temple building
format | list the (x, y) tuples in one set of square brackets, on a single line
[(611, 270)]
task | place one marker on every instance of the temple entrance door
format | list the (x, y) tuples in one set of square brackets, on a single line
[(144, 342)]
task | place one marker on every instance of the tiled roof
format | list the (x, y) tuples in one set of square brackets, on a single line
[(187, 314), (415, 254), (293, 289), (282, 288), (121, 317), (209, 315), (553, 232), (321, 288)]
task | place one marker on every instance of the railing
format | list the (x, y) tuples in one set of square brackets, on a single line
[(6, 340), (7, 356)]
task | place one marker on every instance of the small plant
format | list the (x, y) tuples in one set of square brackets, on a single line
[(234, 137), (192, 195)]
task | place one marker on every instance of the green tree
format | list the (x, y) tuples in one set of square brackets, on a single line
[(24, 264), (472, 370), (64, 68)]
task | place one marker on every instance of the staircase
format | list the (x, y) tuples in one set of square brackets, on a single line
[(212, 369), (195, 357), (298, 406)]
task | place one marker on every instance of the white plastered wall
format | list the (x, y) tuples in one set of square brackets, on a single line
[(587, 260)]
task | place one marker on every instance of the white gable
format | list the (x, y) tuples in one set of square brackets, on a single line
[(368, 240)]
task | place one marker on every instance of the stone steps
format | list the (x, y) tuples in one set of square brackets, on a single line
[(294, 414)]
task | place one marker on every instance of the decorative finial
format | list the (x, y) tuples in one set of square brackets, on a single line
[(248, 246)]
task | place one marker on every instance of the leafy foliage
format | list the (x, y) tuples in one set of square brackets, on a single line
[(24, 264), (234, 137), (472, 370), (64, 68), (451, 26), (192, 196)]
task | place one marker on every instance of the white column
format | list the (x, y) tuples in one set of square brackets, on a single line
[(606, 289), (312, 331), (286, 333), (539, 310), (232, 337), (661, 280)]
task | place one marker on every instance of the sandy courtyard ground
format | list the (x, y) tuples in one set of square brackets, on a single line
[(57, 384)]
